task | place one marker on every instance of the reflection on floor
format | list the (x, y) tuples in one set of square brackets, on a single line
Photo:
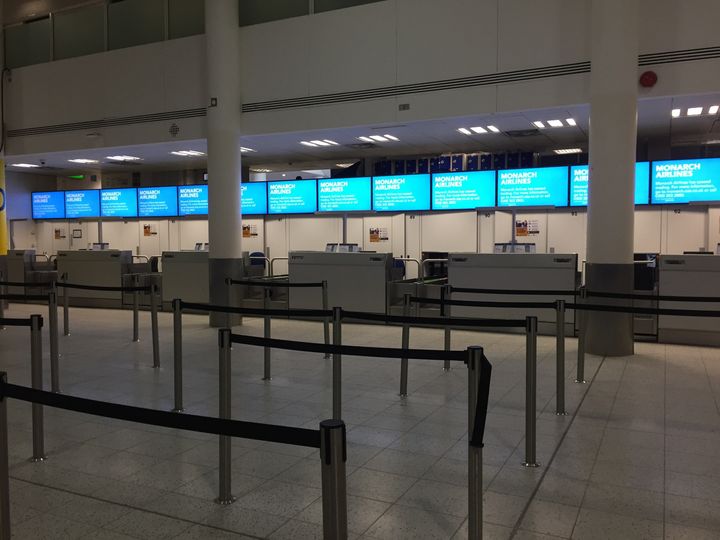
[(636, 457)]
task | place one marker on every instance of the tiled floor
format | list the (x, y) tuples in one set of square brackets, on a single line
[(636, 458)]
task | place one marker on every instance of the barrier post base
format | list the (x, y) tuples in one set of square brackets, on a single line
[(530, 465), (225, 502)]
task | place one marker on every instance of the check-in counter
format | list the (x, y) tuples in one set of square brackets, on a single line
[(421, 288), (689, 275), (100, 268), (185, 275), (514, 271), (18, 263), (356, 281)]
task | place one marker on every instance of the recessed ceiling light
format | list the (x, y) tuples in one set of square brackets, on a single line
[(392, 137), (494, 129), (83, 161), (539, 125), (714, 109), (713, 141), (25, 165), (306, 143), (188, 153), (571, 122), (261, 170), (320, 143), (243, 149), (331, 142), (344, 165), (479, 129), (676, 113), (555, 123), (695, 111), (568, 151), (123, 158), (465, 131), (378, 138), (366, 139), (316, 172)]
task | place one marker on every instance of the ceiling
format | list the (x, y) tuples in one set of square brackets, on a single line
[(284, 153)]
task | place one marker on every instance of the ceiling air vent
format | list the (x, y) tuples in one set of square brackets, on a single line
[(519, 133)]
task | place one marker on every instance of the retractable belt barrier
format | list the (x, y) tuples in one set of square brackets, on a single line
[(275, 284), (26, 284), (24, 297), (656, 298), (470, 290), (433, 321), (474, 303), (645, 311), (101, 287), (14, 322)]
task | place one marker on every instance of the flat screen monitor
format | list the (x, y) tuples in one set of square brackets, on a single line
[(579, 176), (158, 201), (345, 194), (401, 193), (547, 186), (685, 181), (292, 197), (463, 190), (48, 205), (82, 204), (193, 200), (118, 202), (253, 198)]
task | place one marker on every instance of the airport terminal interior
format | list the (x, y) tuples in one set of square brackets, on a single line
[(366, 269)]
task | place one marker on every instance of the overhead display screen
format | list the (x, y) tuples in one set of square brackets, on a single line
[(690, 180), (292, 197), (48, 205), (82, 204), (463, 190), (158, 202), (253, 198), (401, 193), (533, 187), (345, 194), (118, 202), (579, 176), (192, 200)]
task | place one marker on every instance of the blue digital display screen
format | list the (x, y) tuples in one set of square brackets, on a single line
[(292, 197), (345, 194), (690, 180), (253, 198), (579, 176), (118, 202), (463, 190), (401, 193), (48, 205), (82, 204), (193, 200), (158, 202), (533, 187)]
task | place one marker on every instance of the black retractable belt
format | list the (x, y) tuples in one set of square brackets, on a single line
[(645, 311), (284, 285)]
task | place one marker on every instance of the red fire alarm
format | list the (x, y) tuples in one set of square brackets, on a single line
[(648, 79)]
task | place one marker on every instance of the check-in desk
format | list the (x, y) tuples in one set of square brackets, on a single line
[(18, 264), (689, 275), (100, 268), (514, 271), (421, 288), (356, 281), (185, 275)]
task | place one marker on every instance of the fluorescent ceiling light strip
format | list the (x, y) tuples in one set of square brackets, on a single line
[(306, 143), (676, 113), (378, 138), (245, 149), (25, 165), (694, 111), (366, 139), (319, 143), (83, 161), (333, 143), (555, 123), (392, 137), (714, 109), (571, 122), (494, 129), (568, 151), (465, 131), (123, 158), (539, 125), (479, 129)]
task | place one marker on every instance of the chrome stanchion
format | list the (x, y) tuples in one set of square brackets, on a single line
[(177, 355), (475, 487), (530, 392), (267, 332), (4, 468), (326, 320), (333, 453), (560, 358), (225, 496), (445, 294), (136, 308), (580, 378), (229, 302), (337, 364), (54, 349), (66, 308), (405, 345), (36, 377), (154, 324)]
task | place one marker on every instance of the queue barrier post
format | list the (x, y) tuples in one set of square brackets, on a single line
[(445, 294), (54, 348), (475, 448), (177, 355), (66, 308), (531, 392), (36, 377), (333, 453), (405, 345), (136, 308), (326, 320), (225, 495), (154, 325), (337, 364), (560, 358), (4, 468), (267, 332), (580, 377)]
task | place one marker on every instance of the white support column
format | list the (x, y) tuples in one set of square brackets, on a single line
[(222, 34), (613, 136)]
